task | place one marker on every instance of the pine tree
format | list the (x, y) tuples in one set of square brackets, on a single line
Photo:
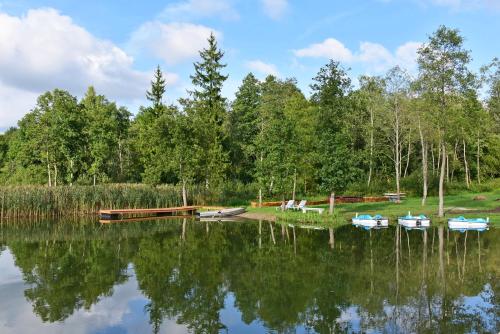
[(155, 95), (210, 112)]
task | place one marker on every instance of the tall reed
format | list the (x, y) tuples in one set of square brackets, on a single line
[(43, 201)]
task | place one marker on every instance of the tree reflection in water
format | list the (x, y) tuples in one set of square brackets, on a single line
[(342, 279)]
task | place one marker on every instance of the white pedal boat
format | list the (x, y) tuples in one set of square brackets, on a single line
[(368, 221), (463, 224), (409, 221)]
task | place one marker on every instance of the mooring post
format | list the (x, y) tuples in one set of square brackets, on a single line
[(332, 202)]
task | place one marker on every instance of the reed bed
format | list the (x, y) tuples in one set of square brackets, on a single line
[(42, 201)]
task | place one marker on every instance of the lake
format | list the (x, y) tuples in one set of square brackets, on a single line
[(183, 276)]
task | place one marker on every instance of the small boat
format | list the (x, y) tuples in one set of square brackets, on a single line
[(368, 221), (409, 221), (221, 213), (463, 224)]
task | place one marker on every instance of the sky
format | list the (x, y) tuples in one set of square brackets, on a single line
[(115, 45)]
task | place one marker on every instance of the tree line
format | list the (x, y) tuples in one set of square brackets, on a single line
[(440, 125)]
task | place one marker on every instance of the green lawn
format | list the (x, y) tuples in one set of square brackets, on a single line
[(344, 212)]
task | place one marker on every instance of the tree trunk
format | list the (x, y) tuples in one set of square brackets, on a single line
[(424, 164), (477, 162), (332, 203), (48, 169), (397, 155), (120, 157), (455, 158), (441, 179), (94, 180), (55, 175), (447, 169), (371, 147), (467, 178), (184, 193), (433, 160), (408, 155), (439, 157), (260, 197), (294, 183)]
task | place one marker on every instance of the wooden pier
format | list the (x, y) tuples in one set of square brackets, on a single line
[(118, 214)]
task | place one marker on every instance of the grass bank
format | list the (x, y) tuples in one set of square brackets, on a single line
[(455, 205)]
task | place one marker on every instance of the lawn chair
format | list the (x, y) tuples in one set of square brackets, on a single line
[(301, 205), (289, 205)]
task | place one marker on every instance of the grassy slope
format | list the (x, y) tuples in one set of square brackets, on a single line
[(344, 212)]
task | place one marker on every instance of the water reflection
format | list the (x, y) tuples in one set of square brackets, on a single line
[(208, 277)]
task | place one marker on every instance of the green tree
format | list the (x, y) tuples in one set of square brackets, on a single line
[(371, 93), (53, 134), (104, 128), (397, 83), (152, 135), (155, 95), (337, 165), (243, 128), (208, 113), (443, 75), (274, 142)]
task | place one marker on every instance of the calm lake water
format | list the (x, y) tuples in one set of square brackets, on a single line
[(178, 276)]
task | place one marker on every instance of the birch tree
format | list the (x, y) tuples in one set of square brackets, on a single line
[(443, 74)]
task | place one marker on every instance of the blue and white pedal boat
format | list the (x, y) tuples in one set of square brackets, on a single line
[(368, 221), (463, 224), (409, 221)]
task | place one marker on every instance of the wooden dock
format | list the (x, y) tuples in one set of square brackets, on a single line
[(117, 214)]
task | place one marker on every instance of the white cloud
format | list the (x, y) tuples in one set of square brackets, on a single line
[(375, 57), (375, 54), (275, 9), (329, 48), (14, 103), (43, 49), (172, 42), (193, 9), (262, 68), (406, 55)]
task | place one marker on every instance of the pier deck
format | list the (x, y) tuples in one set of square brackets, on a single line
[(113, 214)]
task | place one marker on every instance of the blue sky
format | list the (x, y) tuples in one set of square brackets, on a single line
[(114, 45)]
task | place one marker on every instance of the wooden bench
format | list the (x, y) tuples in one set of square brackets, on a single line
[(393, 197), (318, 210)]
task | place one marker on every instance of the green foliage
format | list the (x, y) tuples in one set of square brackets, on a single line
[(157, 91), (271, 139), (244, 128), (207, 111), (337, 160)]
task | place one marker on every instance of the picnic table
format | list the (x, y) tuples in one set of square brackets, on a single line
[(393, 197)]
